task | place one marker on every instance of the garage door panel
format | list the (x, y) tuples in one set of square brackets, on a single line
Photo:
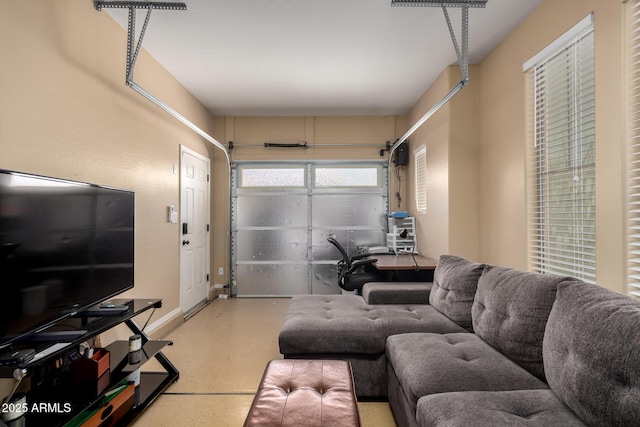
[(322, 250), (267, 210), (273, 279), (272, 245), (338, 210), (280, 228), (364, 238), (325, 279)]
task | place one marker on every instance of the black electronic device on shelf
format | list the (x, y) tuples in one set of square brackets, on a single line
[(65, 246)]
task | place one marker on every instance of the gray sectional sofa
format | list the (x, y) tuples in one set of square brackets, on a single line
[(494, 347)]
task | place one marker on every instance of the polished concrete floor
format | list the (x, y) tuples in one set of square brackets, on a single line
[(221, 353)]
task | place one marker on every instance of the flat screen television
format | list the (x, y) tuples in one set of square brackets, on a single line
[(64, 246)]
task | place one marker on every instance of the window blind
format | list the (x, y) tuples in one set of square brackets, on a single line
[(632, 78), (420, 155), (562, 214)]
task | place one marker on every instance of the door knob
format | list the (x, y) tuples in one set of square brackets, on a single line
[(185, 242)]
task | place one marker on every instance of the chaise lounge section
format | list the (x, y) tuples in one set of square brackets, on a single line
[(495, 347), (346, 327)]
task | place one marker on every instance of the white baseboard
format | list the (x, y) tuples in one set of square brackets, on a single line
[(166, 323)]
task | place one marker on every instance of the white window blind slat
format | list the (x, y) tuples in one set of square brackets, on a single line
[(562, 218), (420, 155), (632, 70)]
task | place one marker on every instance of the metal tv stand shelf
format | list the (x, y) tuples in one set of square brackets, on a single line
[(48, 380)]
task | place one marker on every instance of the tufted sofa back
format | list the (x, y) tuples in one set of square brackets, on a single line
[(455, 281), (592, 354), (510, 312)]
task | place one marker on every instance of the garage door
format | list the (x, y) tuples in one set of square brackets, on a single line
[(282, 215)]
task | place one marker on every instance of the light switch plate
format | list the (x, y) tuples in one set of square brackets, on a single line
[(173, 215)]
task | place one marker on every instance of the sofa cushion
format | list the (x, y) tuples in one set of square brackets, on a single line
[(592, 354), (396, 292), (438, 363), (521, 408), (346, 324), (510, 312), (455, 280)]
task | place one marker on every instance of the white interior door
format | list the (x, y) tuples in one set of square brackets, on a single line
[(194, 229)]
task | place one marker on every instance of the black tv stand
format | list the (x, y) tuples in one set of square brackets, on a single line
[(56, 336), (104, 310), (46, 369)]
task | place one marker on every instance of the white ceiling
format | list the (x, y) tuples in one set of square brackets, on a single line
[(315, 57)]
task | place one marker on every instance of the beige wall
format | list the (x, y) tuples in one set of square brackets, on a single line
[(66, 112), (250, 133), (503, 136), (450, 224), (477, 144)]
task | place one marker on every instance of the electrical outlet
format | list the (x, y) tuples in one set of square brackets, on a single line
[(220, 271)]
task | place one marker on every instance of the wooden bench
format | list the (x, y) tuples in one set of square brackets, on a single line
[(310, 393)]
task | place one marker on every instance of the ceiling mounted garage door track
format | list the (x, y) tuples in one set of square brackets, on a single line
[(132, 56), (461, 51)]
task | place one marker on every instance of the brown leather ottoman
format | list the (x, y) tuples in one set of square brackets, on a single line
[(309, 393)]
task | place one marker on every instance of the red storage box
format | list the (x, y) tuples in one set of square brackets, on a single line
[(90, 369)]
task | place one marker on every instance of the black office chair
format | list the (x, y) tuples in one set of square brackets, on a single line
[(351, 274)]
